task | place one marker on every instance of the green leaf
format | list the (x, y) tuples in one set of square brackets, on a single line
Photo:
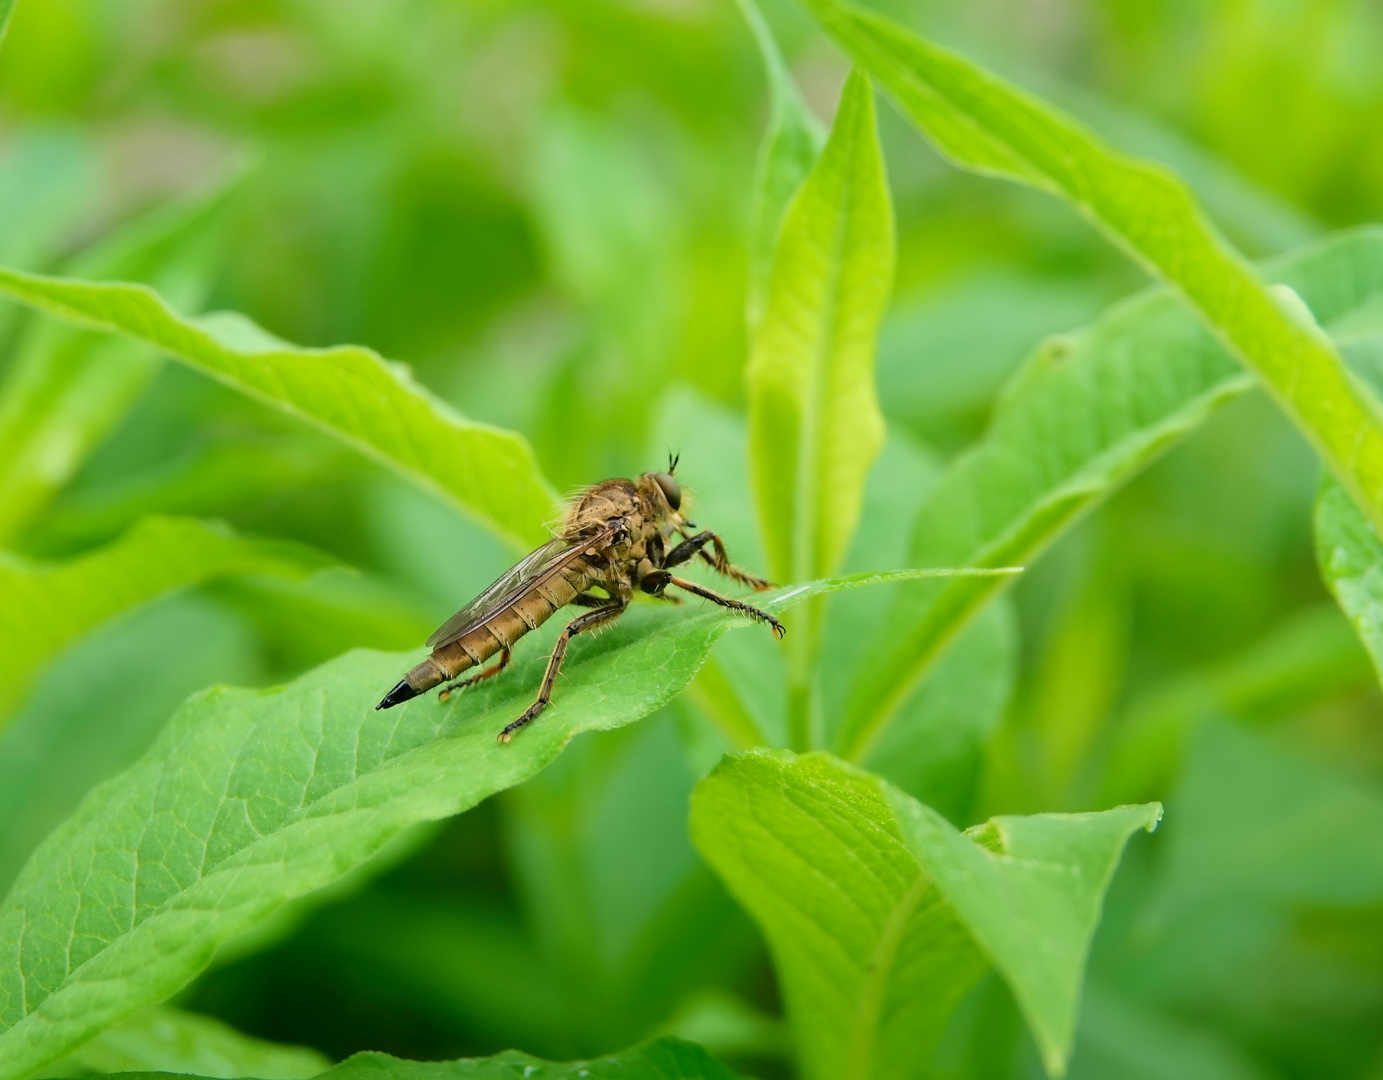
[(49, 605), (1351, 563), (347, 391), (982, 123), (252, 798), (1030, 891), (1087, 411), (172, 1041), (790, 147), (814, 420), (659, 1059), (67, 388), (880, 914)]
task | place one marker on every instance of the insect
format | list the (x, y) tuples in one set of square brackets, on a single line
[(615, 538)]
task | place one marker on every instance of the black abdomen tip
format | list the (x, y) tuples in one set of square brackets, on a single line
[(396, 696)]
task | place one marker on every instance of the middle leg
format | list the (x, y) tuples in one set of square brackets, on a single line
[(588, 621)]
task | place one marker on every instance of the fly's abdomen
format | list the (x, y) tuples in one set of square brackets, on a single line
[(500, 631)]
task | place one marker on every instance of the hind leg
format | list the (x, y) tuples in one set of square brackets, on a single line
[(489, 673)]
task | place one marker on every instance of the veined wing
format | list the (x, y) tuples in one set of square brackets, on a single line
[(530, 572)]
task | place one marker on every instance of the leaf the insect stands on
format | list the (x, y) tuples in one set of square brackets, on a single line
[(130, 898)]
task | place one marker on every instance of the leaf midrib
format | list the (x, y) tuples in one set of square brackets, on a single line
[(865, 1028)]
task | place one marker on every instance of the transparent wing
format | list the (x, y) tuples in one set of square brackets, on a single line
[(510, 584)]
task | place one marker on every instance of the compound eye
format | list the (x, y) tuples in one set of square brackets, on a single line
[(671, 489)]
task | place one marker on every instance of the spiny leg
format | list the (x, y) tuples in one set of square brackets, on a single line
[(721, 563), (588, 621), (734, 605), (489, 673)]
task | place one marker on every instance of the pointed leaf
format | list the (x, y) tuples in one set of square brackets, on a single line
[(880, 914), (985, 124), (347, 391), (252, 798), (1030, 891), (48, 605), (814, 420), (789, 149), (1086, 412)]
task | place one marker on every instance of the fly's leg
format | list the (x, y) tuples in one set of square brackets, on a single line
[(727, 602), (489, 673), (720, 562), (587, 599), (580, 624)]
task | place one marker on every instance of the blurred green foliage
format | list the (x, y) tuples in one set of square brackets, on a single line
[(552, 212)]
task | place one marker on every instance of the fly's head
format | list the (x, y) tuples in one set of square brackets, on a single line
[(662, 494)]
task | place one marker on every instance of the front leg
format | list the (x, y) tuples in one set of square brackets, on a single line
[(588, 621), (721, 563), (728, 602)]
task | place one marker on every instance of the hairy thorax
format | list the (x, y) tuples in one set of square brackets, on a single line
[(618, 567)]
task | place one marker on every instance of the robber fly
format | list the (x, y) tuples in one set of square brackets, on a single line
[(615, 537)]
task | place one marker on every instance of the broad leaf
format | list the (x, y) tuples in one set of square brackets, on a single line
[(983, 123), (68, 388), (347, 391), (659, 1059), (880, 915), (1086, 412), (173, 1041), (1351, 562), (790, 147), (252, 798), (48, 605), (1030, 891), (814, 420)]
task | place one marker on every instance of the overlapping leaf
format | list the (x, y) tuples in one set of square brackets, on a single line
[(814, 420), (880, 914), (252, 798), (1086, 412), (48, 605), (348, 391), (68, 388), (983, 123)]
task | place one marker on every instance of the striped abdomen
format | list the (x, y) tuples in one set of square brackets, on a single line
[(501, 630)]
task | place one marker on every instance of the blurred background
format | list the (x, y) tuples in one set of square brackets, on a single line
[(542, 208)]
